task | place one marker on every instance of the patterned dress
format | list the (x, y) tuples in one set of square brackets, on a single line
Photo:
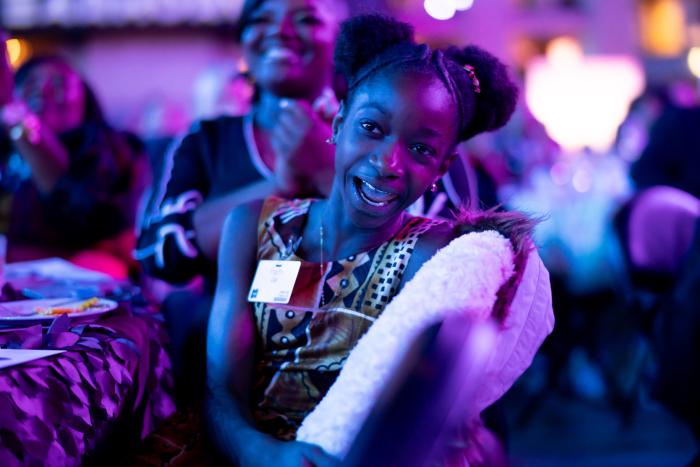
[(303, 345)]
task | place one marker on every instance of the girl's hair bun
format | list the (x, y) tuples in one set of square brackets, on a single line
[(370, 43), (498, 94), (364, 37)]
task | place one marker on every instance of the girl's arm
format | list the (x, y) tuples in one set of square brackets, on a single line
[(426, 247), (230, 356), (231, 338)]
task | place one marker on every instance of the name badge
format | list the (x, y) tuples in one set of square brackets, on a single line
[(274, 281)]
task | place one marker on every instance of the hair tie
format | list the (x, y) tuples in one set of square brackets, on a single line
[(472, 75)]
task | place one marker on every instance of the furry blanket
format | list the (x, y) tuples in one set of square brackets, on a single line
[(463, 277)]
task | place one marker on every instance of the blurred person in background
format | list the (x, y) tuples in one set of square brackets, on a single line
[(633, 133), (237, 95), (672, 156), (664, 291), (280, 146), (70, 183), (676, 340), (663, 211)]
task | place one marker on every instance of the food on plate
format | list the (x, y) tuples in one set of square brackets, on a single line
[(69, 307)]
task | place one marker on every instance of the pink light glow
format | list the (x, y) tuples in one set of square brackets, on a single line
[(582, 100)]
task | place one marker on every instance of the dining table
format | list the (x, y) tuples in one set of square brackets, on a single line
[(107, 388)]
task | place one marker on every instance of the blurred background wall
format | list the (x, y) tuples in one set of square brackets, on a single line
[(145, 57), (153, 63)]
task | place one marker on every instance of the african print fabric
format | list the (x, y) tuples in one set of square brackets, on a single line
[(302, 346)]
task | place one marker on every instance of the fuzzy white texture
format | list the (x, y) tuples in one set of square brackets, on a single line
[(463, 277)]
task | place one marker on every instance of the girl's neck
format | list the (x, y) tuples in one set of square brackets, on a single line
[(342, 238)]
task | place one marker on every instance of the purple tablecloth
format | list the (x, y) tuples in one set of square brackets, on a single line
[(55, 410)]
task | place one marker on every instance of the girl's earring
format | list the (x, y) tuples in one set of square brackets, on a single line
[(330, 140), (433, 187)]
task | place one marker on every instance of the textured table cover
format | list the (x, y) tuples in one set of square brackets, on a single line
[(114, 373)]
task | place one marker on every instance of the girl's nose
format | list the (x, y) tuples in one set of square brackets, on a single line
[(389, 161)]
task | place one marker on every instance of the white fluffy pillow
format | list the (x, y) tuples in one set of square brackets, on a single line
[(463, 277)]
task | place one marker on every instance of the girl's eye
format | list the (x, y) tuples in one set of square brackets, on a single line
[(371, 127), (423, 150)]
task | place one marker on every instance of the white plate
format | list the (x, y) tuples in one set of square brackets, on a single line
[(52, 268), (26, 310)]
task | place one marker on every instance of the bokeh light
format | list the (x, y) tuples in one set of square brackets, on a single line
[(662, 27), (581, 100), (694, 61), (18, 50), (242, 65), (582, 179), (440, 9)]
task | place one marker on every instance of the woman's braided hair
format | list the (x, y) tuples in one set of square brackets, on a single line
[(372, 44)]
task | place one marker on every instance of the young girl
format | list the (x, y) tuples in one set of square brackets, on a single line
[(407, 108)]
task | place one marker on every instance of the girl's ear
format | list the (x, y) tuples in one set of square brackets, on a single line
[(338, 120)]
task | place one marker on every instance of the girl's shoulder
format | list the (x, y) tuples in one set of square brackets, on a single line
[(514, 226), (278, 207), (436, 235)]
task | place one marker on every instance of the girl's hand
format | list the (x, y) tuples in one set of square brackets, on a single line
[(301, 150)]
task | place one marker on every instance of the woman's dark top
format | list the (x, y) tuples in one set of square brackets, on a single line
[(213, 159)]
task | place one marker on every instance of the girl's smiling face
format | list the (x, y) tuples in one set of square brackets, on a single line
[(395, 137)]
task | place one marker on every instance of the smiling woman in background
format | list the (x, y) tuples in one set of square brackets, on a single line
[(70, 183), (278, 147)]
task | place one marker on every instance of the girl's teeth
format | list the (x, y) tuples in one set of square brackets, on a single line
[(374, 195)]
